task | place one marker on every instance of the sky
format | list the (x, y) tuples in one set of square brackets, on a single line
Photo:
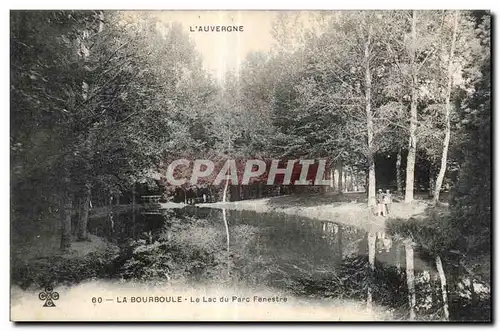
[(223, 51), (226, 51)]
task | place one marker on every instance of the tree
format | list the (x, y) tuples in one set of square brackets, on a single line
[(344, 100), (45, 93), (470, 203), (459, 73), (410, 53), (446, 141), (412, 145), (369, 121), (86, 112)]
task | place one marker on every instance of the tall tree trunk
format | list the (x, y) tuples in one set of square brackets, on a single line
[(412, 145), (66, 205), (133, 205), (224, 193), (371, 181), (340, 186), (442, 277), (332, 179), (84, 214), (110, 215), (446, 141), (66, 212), (410, 278), (369, 123), (354, 182), (335, 177), (432, 182), (399, 180), (346, 185)]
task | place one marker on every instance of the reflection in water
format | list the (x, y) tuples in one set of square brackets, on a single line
[(397, 250), (442, 276), (303, 257), (371, 262), (226, 225), (410, 277), (224, 219), (384, 242)]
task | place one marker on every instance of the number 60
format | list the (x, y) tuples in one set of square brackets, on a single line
[(96, 300)]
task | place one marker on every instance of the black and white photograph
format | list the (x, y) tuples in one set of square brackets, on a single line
[(251, 165)]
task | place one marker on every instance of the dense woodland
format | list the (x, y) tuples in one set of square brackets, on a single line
[(99, 99)]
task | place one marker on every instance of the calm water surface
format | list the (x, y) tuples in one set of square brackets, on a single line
[(304, 257)]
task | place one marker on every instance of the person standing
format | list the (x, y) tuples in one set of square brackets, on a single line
[(380, 203), (387, 201)]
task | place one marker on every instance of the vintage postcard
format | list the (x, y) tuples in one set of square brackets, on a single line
[(250, 165)]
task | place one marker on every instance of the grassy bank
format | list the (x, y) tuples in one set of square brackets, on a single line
[(36, 256), (35, 239)]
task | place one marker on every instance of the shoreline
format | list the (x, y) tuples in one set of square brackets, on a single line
[(356, 214)]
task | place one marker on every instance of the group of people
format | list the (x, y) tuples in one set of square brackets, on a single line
[(383, 202)]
